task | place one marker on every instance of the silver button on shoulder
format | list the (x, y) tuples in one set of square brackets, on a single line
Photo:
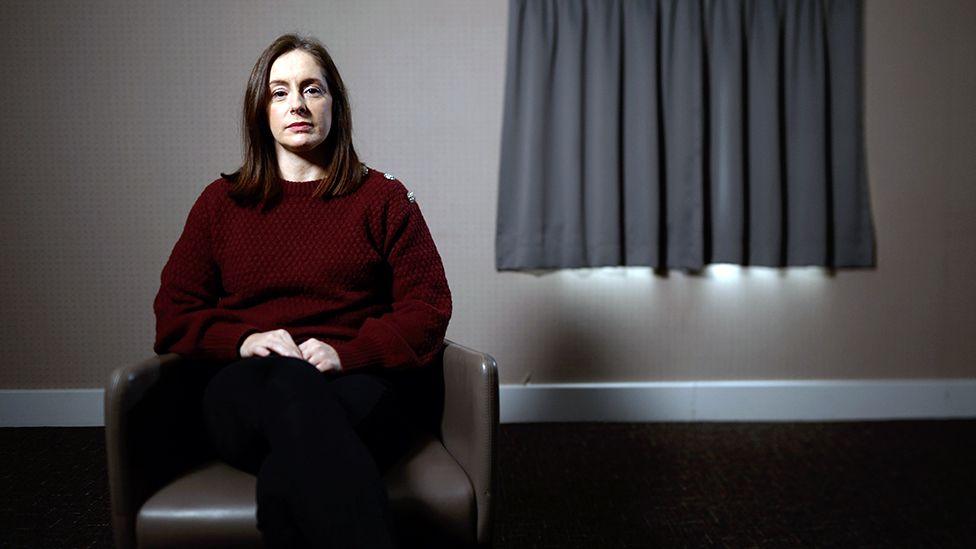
[(389, 176), (410, 197)]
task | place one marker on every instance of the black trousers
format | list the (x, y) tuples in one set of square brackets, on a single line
[(318, 444)]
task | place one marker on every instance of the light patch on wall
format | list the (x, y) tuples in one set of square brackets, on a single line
[(606, 273), (601, 283), (724, 272), (721, 272)]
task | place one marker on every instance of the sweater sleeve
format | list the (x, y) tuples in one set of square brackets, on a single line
[(412, 332), (188, 319)]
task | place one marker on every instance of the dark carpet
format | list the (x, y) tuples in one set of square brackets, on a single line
[(594, 485)]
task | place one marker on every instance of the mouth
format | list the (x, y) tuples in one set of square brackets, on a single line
[(299, 125)]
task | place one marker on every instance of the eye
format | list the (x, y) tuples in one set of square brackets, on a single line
[(313, 90), (277, 94)]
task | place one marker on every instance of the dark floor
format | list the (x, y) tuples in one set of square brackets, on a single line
[(595, 485)]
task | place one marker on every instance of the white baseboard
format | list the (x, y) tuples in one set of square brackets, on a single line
[(52, 408), (754, 400), (804, 400)]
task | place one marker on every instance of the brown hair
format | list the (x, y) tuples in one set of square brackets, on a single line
[(257, 179)]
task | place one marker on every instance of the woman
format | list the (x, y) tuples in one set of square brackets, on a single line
[(316, 280)]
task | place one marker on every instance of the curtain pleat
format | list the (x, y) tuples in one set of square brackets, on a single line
[(676, 133), (764, 134), (725, 182), (641, 233)]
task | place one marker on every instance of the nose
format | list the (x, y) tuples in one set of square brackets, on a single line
[(296, 102)]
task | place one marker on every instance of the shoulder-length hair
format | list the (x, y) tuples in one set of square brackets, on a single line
[(257, 179)]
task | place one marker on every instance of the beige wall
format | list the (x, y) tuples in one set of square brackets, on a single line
[(116, 115)]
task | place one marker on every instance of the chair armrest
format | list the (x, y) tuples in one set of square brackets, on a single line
[(469, 425), (153, 431)]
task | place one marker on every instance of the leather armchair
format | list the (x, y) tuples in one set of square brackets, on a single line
[(169, 490)]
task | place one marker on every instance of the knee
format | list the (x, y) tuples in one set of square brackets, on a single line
[(293, 379), (361, 394), (231, 383)]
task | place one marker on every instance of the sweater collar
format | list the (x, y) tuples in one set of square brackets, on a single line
[(299, 188), (307, 188)]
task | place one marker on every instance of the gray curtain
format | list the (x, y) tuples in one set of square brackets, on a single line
[(677, 133)]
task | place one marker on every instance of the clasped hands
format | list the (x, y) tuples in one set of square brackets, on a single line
[(321, 355)]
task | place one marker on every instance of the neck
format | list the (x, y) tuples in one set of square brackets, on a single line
[(301, 166)]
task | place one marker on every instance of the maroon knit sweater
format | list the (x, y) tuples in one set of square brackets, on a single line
[(359, 272)]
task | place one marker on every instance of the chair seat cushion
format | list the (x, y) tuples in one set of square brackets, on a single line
[(213, 504)]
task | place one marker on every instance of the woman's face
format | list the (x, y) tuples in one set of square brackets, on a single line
[(300, 107)]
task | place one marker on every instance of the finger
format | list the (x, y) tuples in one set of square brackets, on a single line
[(290, 343), (286, 337), (314, 360), (284, 350), (326, 362), (262, 351)]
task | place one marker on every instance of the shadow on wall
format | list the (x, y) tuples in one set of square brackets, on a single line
[(564, 340)]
